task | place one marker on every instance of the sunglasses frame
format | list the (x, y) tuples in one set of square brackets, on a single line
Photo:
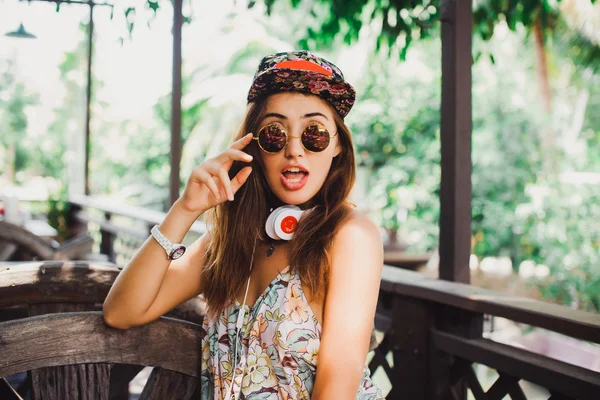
[(288, 137)]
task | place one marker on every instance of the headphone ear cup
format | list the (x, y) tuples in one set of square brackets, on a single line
[(270, 226), (286, 223)]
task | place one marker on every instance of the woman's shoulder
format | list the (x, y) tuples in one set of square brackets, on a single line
[(357, 228), (356, 257)]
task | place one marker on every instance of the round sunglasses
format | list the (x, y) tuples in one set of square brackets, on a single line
[(273, 138)]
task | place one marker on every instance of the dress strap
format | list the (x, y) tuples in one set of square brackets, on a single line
[(238, 328)]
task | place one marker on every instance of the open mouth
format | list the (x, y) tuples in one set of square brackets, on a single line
[(294, 175), (294, 178)]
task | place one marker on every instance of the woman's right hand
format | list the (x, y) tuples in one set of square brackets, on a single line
[(209, 184)]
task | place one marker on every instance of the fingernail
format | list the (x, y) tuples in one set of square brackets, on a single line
[(231, 198)]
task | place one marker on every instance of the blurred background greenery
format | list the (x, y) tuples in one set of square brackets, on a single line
[(536, 113)]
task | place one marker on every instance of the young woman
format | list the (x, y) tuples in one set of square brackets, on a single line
[(291, 291)]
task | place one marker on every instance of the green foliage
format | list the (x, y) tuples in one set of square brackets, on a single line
[(15, 100), (58, 208), (399, 22), (559, 228), (516, 212), (396, 135), (54, 146)]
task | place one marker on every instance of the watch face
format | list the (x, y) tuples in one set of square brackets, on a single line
[(177, 252)]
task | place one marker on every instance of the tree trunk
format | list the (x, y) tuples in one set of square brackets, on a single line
[(541, 65), (546, 134)]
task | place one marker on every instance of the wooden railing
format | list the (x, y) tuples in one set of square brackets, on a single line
[(432, 329), (434, 335), (119, 230)]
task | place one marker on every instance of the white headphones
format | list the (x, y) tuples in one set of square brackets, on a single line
[(282, 222)]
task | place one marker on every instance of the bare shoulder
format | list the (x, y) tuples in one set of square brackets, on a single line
[(357, 228), (357, 244)]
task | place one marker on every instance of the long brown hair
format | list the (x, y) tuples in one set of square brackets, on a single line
[(234, 226)]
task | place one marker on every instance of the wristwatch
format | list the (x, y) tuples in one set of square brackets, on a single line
[(174, 250)]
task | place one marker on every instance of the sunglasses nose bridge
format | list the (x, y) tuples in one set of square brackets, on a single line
[(294, 146)]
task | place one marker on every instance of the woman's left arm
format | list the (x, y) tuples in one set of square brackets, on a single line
[(356, 264)]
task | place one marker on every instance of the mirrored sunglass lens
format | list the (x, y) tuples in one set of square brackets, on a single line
[(315, 138), (272, 138)]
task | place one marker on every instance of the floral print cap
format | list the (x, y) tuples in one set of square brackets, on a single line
[(302, 71)]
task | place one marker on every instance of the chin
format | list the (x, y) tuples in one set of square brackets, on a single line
[(293, 198)]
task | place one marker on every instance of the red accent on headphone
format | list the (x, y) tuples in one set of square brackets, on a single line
[(288, 224)]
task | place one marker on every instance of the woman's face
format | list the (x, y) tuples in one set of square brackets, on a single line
[(295, 111)]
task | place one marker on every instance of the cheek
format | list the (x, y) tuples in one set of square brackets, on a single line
[(270, 163), (321, 168)]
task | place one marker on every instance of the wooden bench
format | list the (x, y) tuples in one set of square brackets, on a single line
[(35, 289), (71, 355)]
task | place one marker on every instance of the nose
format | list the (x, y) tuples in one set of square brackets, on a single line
[(294, 147)]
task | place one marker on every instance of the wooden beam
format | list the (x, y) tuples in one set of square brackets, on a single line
[(84, 338), (176, 102), (455, 187), (578, 324), (553, 374)]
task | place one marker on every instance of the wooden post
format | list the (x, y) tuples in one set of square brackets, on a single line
[(68, 381), (74, 226), (176, 102), (448, 380), (455, 188), (88, 98), (412, 323), (107, 244)]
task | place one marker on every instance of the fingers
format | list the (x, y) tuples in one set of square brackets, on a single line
[(206, 178), (217, 169), (241, 143), (224, 177), (241, 178), (210, 175), (234, 155)]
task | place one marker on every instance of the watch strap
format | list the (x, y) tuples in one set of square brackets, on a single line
[(161, 239)]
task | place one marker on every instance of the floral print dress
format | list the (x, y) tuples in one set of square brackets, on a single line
[(278, 351)]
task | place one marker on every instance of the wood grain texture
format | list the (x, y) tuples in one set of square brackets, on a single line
[(55, 281), (53, 308), (84, 381), (72, 282), (164, 384), (72, 382), (83, 338)]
